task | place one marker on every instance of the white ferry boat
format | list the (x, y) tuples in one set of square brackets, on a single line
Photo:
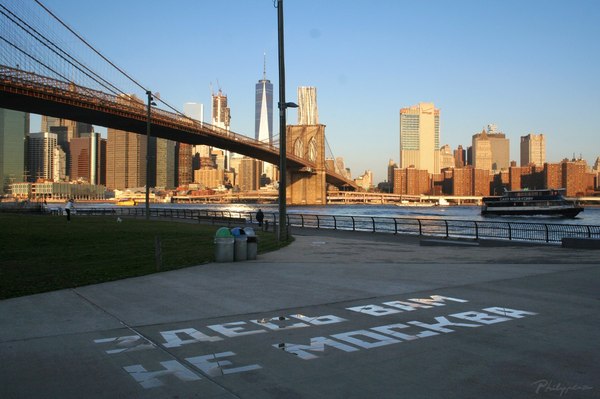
[(546, 202)]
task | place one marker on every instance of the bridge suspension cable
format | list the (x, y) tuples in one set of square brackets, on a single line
[(40, 44), (336, 167), (50, 45), (43, 50), (96, 51), (89, 45)]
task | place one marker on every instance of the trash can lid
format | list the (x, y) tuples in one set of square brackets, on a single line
[(223, 232), (237, 231), (249, 231)]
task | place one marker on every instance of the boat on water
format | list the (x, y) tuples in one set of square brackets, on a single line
[(440, 202), (126, 202), (545, 202)]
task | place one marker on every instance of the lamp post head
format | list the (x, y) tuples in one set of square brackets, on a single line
[(283, 106)]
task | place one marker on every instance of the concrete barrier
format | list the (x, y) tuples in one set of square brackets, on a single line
[(581, 243), (442, 242)]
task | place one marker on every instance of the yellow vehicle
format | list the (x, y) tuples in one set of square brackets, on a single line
[(126, 202)]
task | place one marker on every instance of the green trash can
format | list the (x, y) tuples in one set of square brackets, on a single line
[(224, 245)]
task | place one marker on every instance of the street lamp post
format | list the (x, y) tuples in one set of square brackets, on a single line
[(149, 94), (282, 233)]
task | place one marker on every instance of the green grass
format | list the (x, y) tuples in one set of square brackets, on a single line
[(43, 253)]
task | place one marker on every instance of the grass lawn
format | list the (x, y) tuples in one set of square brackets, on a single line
[(41, 253)]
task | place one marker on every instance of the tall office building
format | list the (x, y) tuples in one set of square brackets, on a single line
[(125, 160), (308, 112), (249, 174), (59, 165), (184, 164), (420, 137), (263, 120), (165, 163), (446, 157), (221, 114), (66, 130), (500, 148), (390, 173), (533, 149), (482, 151), (74, 129), (41, 155), (263, 110), (87, 157), (14, 127), (221, 117), (460, 157)]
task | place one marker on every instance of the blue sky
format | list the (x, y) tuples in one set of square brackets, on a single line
[(529, 66)]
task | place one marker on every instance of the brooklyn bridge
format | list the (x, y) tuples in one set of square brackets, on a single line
[(39, 75)]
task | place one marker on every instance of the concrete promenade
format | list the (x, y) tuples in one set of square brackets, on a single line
[(333, 315)]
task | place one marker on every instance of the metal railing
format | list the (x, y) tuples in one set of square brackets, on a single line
[(442, 228)]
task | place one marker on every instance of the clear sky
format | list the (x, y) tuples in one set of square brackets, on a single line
[(529, 66)]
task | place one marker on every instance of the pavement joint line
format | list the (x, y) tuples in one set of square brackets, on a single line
[(584, 266), (286, 310), (158, 346)]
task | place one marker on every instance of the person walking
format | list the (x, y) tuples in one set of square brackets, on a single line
[(68, 208), (260, 216)]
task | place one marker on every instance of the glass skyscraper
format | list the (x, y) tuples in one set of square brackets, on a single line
[(41, 156), (263, 123), (14, 127)]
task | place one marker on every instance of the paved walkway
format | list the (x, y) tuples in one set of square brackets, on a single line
[(333, 315)]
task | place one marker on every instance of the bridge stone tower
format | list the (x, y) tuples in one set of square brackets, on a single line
[(307, 186)]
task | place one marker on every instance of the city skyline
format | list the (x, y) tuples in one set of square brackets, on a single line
[(528, 67)]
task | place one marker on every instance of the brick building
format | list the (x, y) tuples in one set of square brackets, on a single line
[(411, 181)]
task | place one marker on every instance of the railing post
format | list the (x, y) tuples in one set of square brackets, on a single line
[(318, 222), (302, 218), (420, 227), (373, 220), (510, 231), (476, 230), (395, 226), (353, 224), (446, 222), (547, 236), (589, 231), (334, 223)]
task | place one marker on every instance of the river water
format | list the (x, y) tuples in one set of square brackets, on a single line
[(590, 216)]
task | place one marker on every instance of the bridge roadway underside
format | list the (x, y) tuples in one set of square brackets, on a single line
[(104, 116)]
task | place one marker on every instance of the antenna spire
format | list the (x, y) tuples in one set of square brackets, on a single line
[(264, 66)]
